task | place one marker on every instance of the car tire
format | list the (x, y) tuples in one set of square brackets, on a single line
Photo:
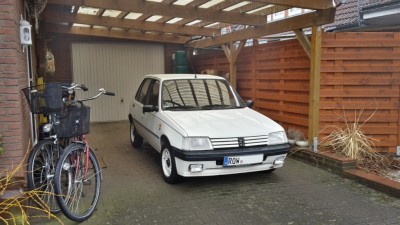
[(168, 166), (136, 139)]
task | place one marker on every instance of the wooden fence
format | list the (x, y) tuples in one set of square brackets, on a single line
[(359, 72)]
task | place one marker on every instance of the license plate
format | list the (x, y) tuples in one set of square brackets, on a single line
[(242, 160)]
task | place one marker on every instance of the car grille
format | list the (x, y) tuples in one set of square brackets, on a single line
[(222, 143)]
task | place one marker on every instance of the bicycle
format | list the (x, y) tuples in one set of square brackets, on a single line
[(78, 176), (47, 99)]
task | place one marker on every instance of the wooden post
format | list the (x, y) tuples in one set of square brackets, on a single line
[(232, 54), (315, 74)]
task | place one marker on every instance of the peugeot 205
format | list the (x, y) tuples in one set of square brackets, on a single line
[(202, 127)]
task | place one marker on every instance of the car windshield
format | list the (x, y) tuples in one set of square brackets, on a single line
[(199, 94)]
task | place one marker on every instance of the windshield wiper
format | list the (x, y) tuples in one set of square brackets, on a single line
[(215, 106), (182, 107)]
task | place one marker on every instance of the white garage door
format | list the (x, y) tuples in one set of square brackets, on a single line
[(115, 67)]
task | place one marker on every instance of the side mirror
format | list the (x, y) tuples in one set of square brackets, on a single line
[(150, 108), (250, 103)]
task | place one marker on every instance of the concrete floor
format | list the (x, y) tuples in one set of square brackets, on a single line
[(133, 192)]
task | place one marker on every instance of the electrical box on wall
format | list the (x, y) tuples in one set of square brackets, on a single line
[(25, 32), (398, 151)]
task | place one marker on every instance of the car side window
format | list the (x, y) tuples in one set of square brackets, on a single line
[(153, 94), (142, 92)]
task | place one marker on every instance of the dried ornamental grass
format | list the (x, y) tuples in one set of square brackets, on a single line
[(13, 210), (350, 140)]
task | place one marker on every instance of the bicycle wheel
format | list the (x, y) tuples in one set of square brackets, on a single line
[(79, 196), (41, 168)]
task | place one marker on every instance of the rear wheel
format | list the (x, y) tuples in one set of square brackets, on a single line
[(41, 169), (136, 139), (168, 166), (79, 196)]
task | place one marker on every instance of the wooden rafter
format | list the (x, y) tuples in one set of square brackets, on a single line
[(52, 28), (154, 8), (58, 17), (298, 22)]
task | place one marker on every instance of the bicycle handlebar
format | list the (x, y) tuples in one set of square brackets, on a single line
[(101, 92), (76, 86)]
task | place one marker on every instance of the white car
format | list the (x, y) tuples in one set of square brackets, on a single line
[(202, 127)]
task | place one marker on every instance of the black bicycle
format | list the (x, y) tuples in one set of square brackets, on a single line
[(47, 99), (56, 166)]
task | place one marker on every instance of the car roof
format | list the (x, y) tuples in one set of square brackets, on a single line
[(163, 77)]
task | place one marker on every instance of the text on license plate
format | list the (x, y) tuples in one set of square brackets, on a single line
[(242, 160)]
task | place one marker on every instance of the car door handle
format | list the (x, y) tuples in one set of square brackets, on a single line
[(133, 105)]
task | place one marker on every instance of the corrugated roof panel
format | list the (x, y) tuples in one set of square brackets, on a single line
[(182, 2), (111, 13), (87, 10), (237, 6), (133, 16), (210, 4)]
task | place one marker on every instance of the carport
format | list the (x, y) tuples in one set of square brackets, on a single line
[(165, 25), (190, 24)]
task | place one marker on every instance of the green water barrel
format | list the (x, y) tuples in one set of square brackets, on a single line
[(180, 58), (180, 69)]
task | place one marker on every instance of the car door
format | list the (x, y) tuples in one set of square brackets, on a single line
[(147, 124), (151, 119), (137, 107)]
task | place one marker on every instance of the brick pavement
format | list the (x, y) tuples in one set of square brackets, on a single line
[(133, 192)]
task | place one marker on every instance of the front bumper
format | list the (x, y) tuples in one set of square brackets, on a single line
[(212, 160)]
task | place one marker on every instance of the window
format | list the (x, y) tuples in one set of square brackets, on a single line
[(142, 92), (278, 15), (198, 94), (153, 94), (294, 11)]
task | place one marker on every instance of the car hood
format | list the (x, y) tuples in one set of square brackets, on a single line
[(223, 123)]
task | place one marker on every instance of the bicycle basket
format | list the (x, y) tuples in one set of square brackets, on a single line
[(73, 122), (44, 98)]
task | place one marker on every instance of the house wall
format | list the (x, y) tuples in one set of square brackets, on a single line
[(359, 72), (14, 111)]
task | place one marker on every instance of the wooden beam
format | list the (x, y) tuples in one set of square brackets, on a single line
[(232, 53), (142, 36), (315, 76), (306, 4), (154, 8), (304, 41), (298, 22), (60, 17)]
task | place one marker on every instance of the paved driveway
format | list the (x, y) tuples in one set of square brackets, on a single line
[(133, 192)]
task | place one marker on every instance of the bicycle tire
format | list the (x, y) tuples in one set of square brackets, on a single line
[(79, 198), (41, 168)]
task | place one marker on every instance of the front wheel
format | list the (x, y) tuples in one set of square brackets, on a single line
[(41, 169), (77, 182), (168, 166)]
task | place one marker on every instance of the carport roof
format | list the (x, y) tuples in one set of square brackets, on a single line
[(196, 23)]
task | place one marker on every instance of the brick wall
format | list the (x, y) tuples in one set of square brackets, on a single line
[(14, 112)]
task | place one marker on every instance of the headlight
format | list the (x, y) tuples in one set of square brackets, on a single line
[(197, 143), (276, 138), (47, 127)]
